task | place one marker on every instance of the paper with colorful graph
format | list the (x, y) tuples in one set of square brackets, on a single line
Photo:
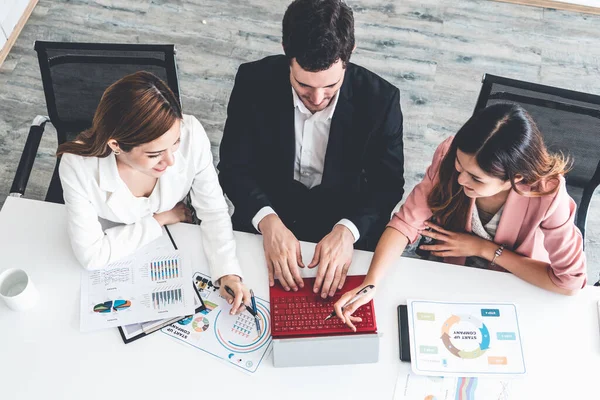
[(416, 387), (231, 338), (151, 284), (465, 339)]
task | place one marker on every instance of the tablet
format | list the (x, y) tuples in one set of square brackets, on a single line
[(403, 336)]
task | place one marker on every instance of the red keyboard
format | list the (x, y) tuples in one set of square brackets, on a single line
[(303, 313)]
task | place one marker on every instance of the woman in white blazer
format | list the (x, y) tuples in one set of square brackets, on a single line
[(134, 166)]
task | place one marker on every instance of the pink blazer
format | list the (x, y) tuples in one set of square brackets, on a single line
[(541, 228)]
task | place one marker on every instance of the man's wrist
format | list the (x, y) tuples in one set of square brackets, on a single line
[(260, 215), (345, 231), (267, 223), (352, 227)]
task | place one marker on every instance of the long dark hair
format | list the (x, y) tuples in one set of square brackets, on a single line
[(506, 142), (134, 110)]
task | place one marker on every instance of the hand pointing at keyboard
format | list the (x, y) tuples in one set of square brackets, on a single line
[(351, 301)]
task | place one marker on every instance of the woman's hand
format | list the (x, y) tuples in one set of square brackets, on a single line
[(179, 213), (344, 311), (242, 294), (453, 244)]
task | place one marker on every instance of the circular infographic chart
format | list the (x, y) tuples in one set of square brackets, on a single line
[(237, 333), (465, 336), (200, 324)]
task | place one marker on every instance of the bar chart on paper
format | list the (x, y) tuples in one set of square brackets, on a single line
[(164, 269), (150, 285), (161, 299), (410, 387)]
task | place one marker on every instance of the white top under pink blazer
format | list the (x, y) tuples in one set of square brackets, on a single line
[(541, 227)]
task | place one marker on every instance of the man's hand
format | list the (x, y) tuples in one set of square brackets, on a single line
[(333, 255), (282, 251)]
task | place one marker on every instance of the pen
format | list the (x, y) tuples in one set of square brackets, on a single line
[(357, 296), (232, 294), (256, 319)]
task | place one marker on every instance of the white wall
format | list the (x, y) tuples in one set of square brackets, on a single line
[(10, 13)]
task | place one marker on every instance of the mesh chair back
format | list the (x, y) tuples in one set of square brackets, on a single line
[(569, 122), (75, 75)]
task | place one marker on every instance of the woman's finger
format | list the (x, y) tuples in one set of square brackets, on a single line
[(237, 302), (436, 235), (247, 297), (341, 303), (441, 253), (348, 319), (437, 228), (435, 247), (224, 293)]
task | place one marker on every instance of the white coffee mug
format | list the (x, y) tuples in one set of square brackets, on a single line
[(17, 289)]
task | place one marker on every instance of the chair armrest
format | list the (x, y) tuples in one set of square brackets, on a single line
[(28, 157)]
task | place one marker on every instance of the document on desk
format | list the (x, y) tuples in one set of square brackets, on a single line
[(465, 339), (151, 284), (231, 338), (410, 386)]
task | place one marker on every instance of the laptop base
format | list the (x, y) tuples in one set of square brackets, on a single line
[(326, 350)]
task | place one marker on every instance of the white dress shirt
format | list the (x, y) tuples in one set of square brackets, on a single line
[(93, 189), (312, 136)]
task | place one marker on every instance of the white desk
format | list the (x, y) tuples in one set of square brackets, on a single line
[(44, 356)]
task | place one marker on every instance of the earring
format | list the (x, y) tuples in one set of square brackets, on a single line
[(117, 153)]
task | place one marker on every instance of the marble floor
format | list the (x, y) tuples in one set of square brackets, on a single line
[(435, 51)]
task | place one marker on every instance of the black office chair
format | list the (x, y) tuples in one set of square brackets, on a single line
[(569, 122), (74, 76)]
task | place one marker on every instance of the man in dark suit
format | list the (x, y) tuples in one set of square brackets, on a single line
[(312, 148)]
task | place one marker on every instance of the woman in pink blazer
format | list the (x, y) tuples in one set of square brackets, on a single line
[(499, 201)]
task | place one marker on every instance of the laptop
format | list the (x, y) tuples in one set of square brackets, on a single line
[(302, 313)]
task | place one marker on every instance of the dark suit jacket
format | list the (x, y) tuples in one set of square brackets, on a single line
[(363, 175)]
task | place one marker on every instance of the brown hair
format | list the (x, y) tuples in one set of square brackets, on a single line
[(134, 110), (506, 143)]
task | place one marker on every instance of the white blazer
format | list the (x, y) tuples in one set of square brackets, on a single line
[(93, 189)]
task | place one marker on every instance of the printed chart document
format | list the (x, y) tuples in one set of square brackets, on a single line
[(132, 332), (151, 284), (231, 338), (465, 339), (411, 387)]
